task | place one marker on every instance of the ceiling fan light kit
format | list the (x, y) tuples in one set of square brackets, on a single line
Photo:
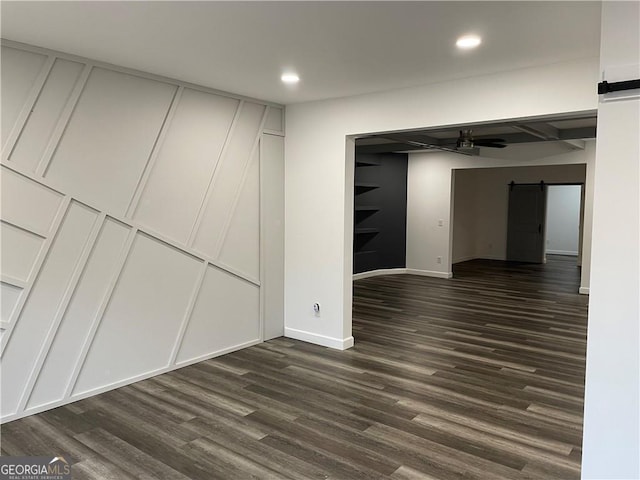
[(465, 140), (465, 144)]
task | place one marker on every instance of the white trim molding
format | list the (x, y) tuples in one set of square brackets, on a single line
[(340, 344), (500, 258), (561, 252), (464, 259), (402, 271), (583, 291), (377, 273), (429, 273)]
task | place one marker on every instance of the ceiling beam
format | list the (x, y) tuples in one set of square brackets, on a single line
[(575, 144), (401, 142), (420, 138), (424, 145), (571, 136), (574, 137), (578, 133), (541, 130), (386, 148)]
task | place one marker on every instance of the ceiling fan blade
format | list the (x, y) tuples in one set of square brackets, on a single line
[(488, 140), (489, 145), (426, 146)]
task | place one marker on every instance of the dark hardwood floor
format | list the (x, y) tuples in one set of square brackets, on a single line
[(478, 377)]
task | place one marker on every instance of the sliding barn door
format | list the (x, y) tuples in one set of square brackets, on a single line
[(526, 223)]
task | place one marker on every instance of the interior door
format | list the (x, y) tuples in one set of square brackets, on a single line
[(526, 223)]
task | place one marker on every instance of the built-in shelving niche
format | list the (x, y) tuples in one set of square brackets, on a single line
[(380, 192)]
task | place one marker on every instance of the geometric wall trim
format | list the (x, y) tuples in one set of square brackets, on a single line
[(22, 356), (228, 180), (66, 350), (65, 76), (155, 285), (19, 250), (109, 137), (225, 295), (23, 73), (131, 226), (240, 245), (27, 202), (200, 123)]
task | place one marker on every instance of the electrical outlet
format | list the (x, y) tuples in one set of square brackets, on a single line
[(441, 223), (438, 259)]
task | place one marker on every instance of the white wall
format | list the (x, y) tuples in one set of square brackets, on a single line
[(464, 222), (130, 226), (480, 216), (611, 446), (429, 200), (563, 219), (319, 172)]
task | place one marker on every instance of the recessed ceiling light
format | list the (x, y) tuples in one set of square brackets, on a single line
[(468, 41), (290, 78)]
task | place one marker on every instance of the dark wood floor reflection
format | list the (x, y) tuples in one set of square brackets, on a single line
[(478, 377)]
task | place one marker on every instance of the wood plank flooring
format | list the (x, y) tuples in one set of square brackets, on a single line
[(477, 377)]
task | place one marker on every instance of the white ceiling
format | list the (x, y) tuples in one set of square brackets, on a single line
[(338, 48)]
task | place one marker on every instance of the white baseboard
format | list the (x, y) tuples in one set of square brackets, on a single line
[(402, 271), (501, 258), (561, 252), (377, 273), (340, 344), (429, 273), (584, 291), (464, 259)]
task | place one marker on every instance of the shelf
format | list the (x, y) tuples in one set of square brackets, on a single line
[(366, 209), (362, 231), (365, 252), (365, 187), (364, 163)]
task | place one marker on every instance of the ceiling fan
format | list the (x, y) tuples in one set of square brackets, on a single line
[(465, 144), (466, 141)]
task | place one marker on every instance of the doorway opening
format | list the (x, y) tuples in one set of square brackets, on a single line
[(453, 217), (545, 219), (430, 213), (564, 221), (501, 214)]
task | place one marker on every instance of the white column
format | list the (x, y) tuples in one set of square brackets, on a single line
[(611, 443)]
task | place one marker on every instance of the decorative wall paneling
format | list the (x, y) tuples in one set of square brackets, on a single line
[(226, 184), (20, 249), (115, 124), (34, 212), (220, 291), (52, 288), (131, 237), (50, 113), (22, 81), (275, 122)]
